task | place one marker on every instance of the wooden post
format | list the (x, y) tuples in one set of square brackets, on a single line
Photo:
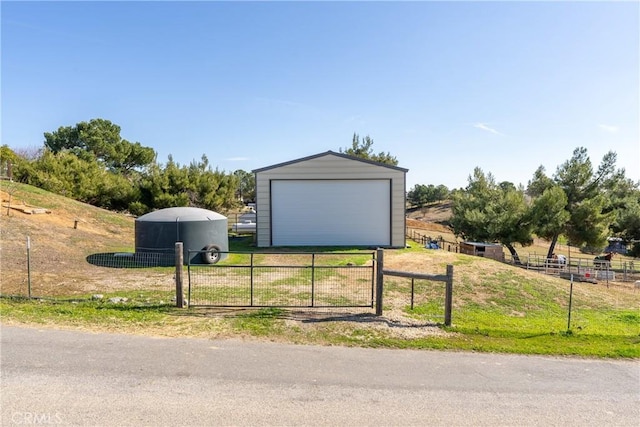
[(412, 291), (448, 299), (379, 279), (179, 269)]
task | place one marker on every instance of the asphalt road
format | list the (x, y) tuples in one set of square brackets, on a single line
[(55, 377)]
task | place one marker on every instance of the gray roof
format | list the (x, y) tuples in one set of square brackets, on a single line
[(178, 214), (331, 153), (482, 244)]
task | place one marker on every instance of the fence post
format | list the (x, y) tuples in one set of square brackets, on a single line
[(313, 278), (251, 279), (379, 278), (448, 298), (29, 266), (179, 270), (412, 291)]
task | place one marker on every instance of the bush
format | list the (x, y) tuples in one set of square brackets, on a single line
[(138, 208)]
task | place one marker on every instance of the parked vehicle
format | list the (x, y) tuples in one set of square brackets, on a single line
[(244, 227)]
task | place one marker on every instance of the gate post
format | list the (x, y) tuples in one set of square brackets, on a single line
[(448, 298), (379, 279), (179, 269)]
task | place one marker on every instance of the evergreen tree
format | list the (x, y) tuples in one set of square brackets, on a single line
[(584, 219), (364, 150), (490, 212), (100, 139)]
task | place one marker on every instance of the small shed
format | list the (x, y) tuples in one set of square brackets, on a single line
[(330, 199), (486, 250)]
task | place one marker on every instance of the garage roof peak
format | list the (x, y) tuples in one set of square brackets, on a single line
[(330, 153)]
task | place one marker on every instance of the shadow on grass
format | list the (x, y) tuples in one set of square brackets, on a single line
[(161, 308), (303, 316), (373, 319), (132, 260)]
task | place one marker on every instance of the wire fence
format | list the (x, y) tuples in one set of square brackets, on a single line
[(432, 242), (32, 269), (585, 269), (284, 280), (321, 280)]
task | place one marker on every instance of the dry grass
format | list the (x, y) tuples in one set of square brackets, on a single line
[(58, 250)]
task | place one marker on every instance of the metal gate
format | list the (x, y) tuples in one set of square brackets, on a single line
[(284, 279)]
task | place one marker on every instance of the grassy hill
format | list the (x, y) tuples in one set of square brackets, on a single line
[(497, 307), (60, 239)]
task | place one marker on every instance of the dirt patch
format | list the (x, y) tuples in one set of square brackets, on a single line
[(430, 226), (59, 242), (76, 215), (431, 222), (439, 212)]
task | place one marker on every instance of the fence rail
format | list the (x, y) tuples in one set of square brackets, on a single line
[(426, 239), (447, 278), (618, 269), (621, 270)]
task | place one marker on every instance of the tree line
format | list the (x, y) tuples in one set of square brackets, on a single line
[(579, 204), (92, 163)]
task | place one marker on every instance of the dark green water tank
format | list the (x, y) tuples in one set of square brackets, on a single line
[(198, 230)]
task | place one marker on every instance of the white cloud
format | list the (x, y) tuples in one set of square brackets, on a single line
[(486, 128), (356, 118), (609, 128)]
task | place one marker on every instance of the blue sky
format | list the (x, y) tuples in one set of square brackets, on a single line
[(443, 86)]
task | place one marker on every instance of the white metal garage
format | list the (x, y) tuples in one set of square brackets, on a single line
[(331, 212), (330, 199)]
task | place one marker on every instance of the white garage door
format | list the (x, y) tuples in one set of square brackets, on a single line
[(331, 212)]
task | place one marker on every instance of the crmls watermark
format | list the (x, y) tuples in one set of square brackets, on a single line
[(36, 418)]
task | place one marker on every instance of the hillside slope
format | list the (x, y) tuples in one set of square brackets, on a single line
[(60, 241)]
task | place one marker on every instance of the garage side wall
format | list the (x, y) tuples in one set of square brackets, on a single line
[(330, 167)]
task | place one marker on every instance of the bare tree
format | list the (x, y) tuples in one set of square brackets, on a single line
[(11, 188)]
